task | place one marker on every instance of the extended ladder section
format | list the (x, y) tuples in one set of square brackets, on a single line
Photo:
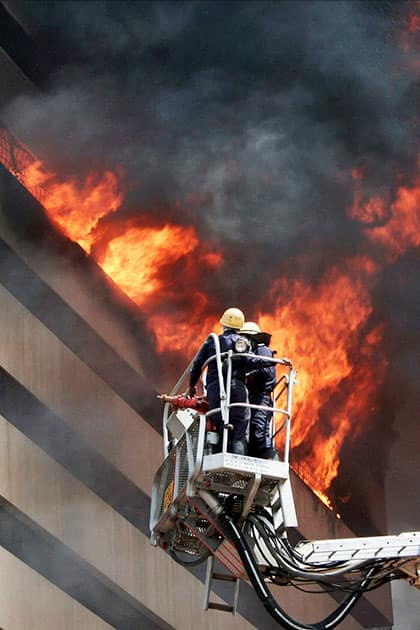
[(236, 510), (212, 574), (397, 548)]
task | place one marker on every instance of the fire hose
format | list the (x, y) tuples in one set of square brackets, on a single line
[(199, 403), (265, 595)]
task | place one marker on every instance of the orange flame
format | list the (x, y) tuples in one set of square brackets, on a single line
[(314, 324), (180, 334), (134, 260), (139, 259), (395, 226), (75, 209), (402, 232)]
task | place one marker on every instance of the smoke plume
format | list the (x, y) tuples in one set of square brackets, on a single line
[(284, 135)]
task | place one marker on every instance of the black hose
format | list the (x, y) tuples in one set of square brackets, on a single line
[(271, 605), (263, 520), (286, 561)]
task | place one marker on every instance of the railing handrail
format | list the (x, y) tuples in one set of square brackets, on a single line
[(226, 405), (172, 462)]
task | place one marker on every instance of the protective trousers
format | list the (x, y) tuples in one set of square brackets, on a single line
[(260, 426), (238, 416)]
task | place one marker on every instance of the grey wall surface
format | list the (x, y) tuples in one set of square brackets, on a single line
[(79, 441)]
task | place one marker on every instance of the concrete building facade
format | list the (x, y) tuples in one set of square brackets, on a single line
[(80, 442)]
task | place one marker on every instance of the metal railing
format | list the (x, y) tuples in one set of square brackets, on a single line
[(18, 159), (227, 358), (179, 469)]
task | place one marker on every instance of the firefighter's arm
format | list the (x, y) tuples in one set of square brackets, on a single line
[(259, 367), (195, 372)]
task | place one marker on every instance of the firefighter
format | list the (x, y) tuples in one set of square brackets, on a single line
[(232, 321), (260, 380)]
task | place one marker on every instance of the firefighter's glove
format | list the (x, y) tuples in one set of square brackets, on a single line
[(190, 392)]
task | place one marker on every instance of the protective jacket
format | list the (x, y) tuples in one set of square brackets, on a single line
[(262, 377), (227, 342), (261, 381), (239, 416)]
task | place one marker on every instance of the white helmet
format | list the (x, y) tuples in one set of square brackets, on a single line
[(250, 328), (232, 318)]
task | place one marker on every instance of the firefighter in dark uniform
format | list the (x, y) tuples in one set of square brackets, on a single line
[(232, 321), (261, 380)]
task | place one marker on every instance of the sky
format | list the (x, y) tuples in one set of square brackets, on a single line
[(259, 124)]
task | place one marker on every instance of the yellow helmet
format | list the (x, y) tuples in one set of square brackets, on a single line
[(250, 328), (232, 318)]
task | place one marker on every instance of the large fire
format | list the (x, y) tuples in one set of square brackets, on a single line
[(315, 324), (139, 256), (133, 260), (393, 225), (322, 325), (76, 209)]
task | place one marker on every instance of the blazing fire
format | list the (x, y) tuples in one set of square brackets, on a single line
[(323, 326), (393, 225), (402, 231), (134, 259), (76, 209), (314, 324), (179, 335), (139, 258)]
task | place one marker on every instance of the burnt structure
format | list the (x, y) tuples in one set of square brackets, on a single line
[(80, 440)]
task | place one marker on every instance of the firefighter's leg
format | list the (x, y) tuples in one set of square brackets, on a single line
[(239, 417), (260, 442), (213, 398)]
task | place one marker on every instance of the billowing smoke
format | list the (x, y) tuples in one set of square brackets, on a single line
[(253, 122), (261, 110)]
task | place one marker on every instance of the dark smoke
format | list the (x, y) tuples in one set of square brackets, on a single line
[(262, 109), (258, 109)]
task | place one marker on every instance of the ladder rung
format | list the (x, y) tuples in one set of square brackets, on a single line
[(227, 577), (224, 607), (224, 576)]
